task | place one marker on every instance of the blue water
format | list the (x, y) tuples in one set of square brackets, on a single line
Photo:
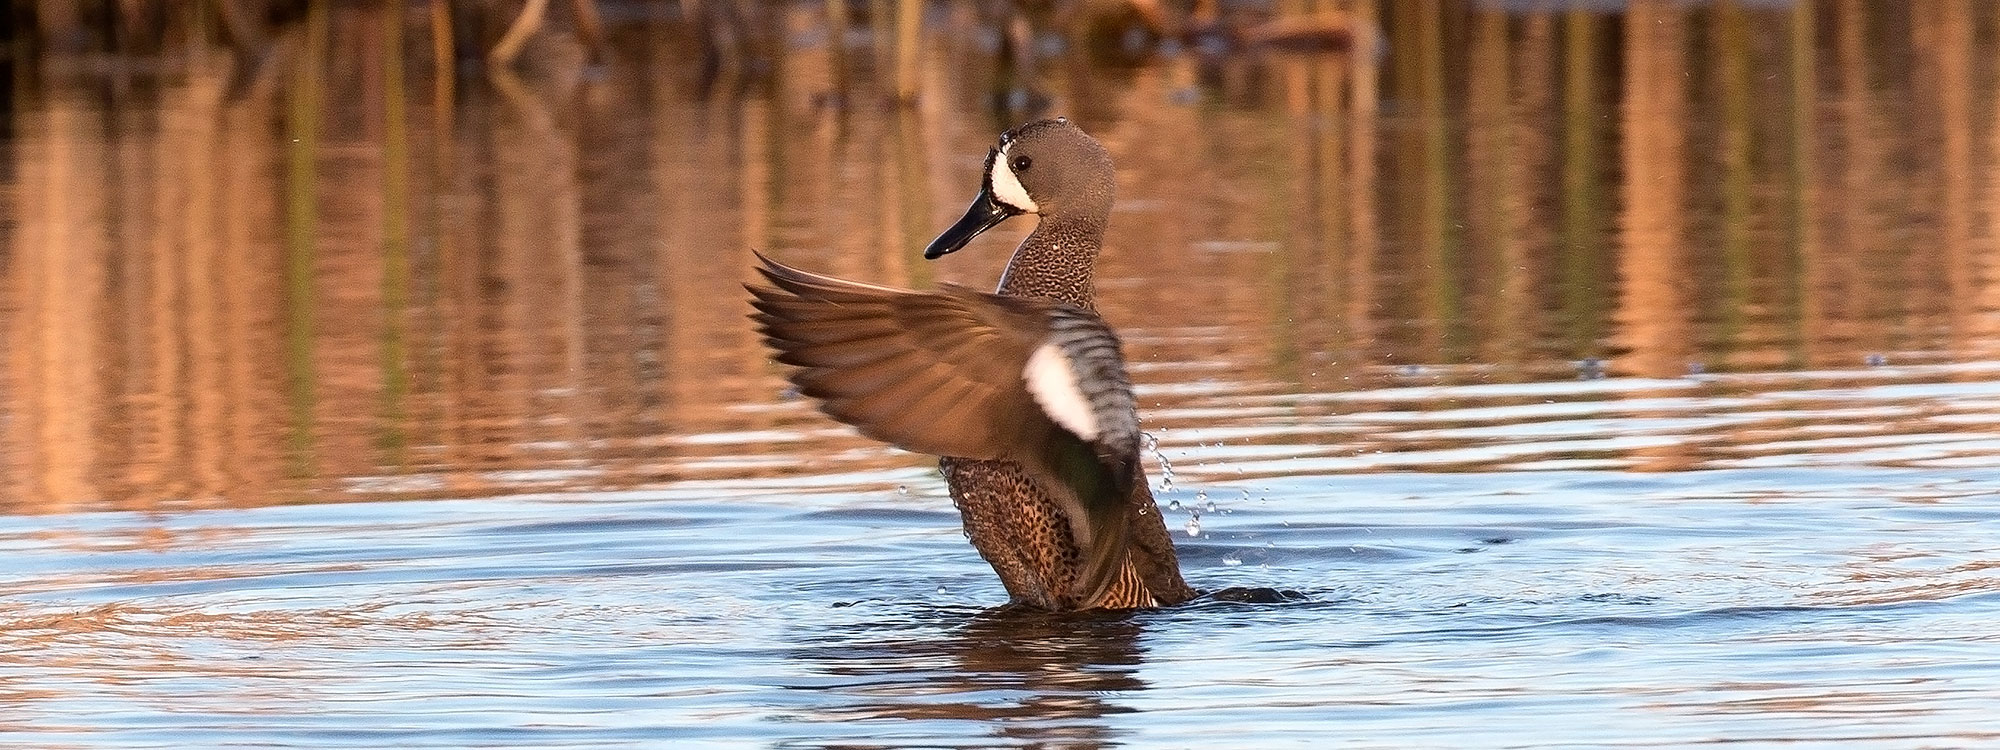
[(1756, 606)]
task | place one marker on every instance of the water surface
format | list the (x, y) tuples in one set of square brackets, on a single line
[(1601, 379)]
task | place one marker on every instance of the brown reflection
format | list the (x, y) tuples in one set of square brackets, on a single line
[(1581, 280), (1028, 677), (1944, 31), (1525, 234), (1495, 168), (1653, 309), (350, 273), (1983, 333), (59, 264), (1364, 238), (531, 303), (1654, 312), (1807, 191)]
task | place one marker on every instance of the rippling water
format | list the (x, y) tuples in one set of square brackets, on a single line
[(1599, 379), (1447, 610)]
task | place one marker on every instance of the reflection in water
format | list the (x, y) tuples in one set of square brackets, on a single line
[(339, 275), (1035, 678)]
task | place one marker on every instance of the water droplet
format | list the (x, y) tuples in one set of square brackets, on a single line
[(1231, 560), (940, 588), (903, 489), (1211, 506), (1194, 526), (1166, 466), (1589, 368), (1175, 505)]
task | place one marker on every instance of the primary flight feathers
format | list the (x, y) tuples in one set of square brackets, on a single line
[(951, 372), (966, 374)]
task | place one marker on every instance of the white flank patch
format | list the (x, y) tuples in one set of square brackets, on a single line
[(1053, 384), (1007, 188)]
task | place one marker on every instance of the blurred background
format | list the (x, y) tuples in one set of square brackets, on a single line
[(263, 251)]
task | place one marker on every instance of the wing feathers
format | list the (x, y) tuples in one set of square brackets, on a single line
[(944, 372), (874, 353)]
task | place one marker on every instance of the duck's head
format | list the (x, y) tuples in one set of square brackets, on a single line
[(1049, 168)]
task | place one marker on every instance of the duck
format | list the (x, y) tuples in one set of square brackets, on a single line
[(1021, 392)]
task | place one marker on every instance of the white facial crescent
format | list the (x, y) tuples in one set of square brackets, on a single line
[(1007, 188)]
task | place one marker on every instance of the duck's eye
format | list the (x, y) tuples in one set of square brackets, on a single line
[(1022, 163)]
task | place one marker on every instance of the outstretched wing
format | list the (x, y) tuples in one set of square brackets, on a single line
[(935, 373), (956, 372)]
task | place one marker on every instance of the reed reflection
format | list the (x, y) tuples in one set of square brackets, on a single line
[(351, 273), (59, 271), (1653, 306)]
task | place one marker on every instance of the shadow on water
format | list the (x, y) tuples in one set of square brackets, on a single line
[(1025, 676), (1040, 678)]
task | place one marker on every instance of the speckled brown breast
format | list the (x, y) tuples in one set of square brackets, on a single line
[(1020, 531)]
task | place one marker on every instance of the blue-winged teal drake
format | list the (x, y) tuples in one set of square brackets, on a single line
[(1023, 394)]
